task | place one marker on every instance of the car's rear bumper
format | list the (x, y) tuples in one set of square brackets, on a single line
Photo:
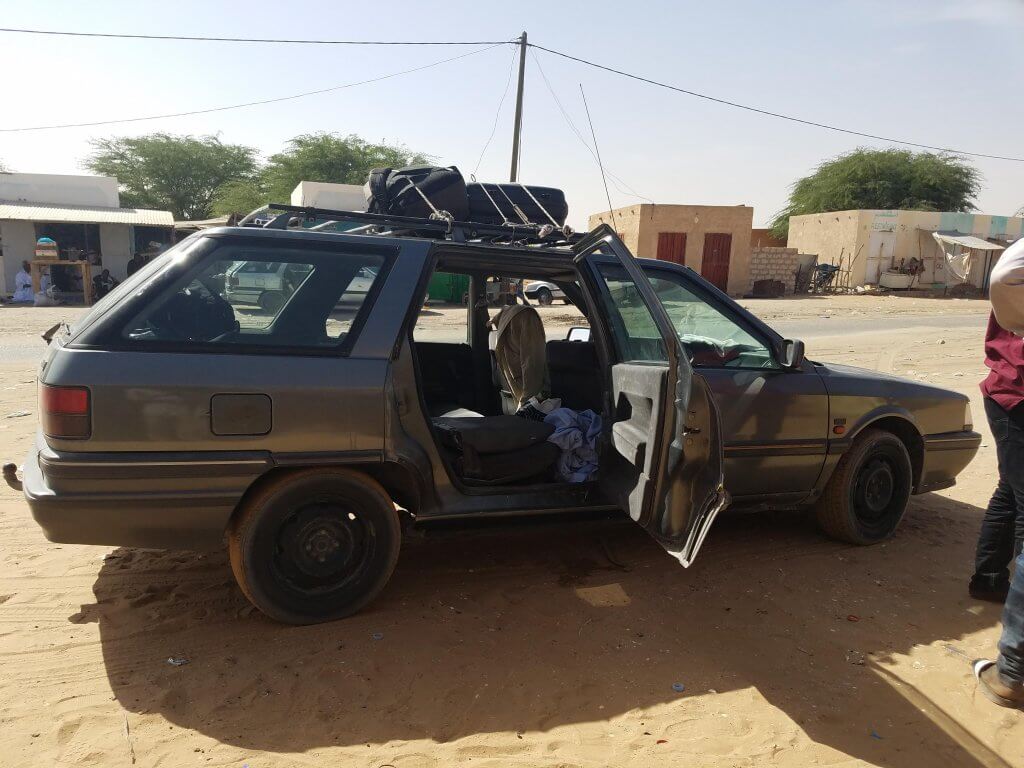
[(945, 456), (159, 501)]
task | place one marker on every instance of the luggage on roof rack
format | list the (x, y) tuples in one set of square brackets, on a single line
[(417, 190), (498, 203)]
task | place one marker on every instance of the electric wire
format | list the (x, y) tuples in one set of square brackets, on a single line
[(768, 113), (205, 39), (249, 103), (616, 180), (497, 114)]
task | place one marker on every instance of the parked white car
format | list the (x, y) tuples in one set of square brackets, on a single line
[(543, 292), (269, 284)]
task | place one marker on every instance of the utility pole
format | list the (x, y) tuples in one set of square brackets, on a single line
[(518, 127)]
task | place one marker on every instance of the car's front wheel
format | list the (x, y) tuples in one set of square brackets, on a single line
[(314, 545), (867, 494), (544, 297)]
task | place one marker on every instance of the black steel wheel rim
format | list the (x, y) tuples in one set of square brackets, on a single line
[(322, 546), (875, 489)]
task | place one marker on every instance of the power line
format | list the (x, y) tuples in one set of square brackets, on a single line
[(126, 36), (497, 114), (768, 113), (250, 103), (568, 120)]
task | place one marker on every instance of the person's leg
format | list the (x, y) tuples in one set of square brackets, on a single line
[(998, 533), (1003, 682)]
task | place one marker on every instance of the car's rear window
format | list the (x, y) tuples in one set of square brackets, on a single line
[(246, 296)]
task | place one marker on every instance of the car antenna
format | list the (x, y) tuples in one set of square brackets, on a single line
[(600, 165)]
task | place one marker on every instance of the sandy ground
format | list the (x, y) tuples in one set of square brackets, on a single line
[(533, 645)]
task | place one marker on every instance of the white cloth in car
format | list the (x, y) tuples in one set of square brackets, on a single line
[(519, 350)]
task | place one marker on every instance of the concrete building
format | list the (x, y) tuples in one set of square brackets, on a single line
[(713, 240), (81, 213), (868, 243)]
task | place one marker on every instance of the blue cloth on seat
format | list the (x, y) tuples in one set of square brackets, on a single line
[(576, 433)]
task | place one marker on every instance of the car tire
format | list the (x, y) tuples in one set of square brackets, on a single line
[(544, 297), (866, 496), (314, 545), (271, 301)]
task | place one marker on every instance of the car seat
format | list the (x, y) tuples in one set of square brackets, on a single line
[(520, 356)]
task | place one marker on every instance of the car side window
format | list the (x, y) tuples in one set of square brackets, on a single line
[(245, 296), (711, 337), (633, 327)]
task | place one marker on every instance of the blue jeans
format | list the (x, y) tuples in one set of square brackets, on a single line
[(1008, 431)]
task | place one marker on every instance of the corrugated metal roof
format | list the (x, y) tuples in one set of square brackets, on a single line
[(967, 241), (84, 215)]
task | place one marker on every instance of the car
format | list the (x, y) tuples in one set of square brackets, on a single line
[(543, 292), (307, 442), (170, 418), (268, 285)]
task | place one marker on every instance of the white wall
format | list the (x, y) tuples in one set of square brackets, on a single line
[(116, 248), (58, 189), (18, 240)]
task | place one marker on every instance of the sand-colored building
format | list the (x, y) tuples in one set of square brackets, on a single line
[(713, 240), (870, 242)]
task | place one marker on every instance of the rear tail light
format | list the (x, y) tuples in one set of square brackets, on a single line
[(64, 412)]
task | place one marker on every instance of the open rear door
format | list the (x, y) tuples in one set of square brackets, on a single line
[(667, 468)]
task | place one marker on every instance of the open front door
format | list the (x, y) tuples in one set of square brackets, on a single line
[(667, 465)]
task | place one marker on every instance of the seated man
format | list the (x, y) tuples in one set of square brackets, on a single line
[(103, 284), (23, 284)]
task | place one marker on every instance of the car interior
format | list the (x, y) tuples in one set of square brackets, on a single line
[(469, 405), (321, 296)]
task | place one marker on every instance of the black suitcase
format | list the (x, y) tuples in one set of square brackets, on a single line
[(485, 200), (401, 192)]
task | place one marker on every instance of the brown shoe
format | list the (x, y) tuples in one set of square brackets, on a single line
[(993, 688)]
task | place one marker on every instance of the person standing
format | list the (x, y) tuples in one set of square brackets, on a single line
[(1002, 681)]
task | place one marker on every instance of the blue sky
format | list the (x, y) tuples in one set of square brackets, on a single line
[(938, 72)]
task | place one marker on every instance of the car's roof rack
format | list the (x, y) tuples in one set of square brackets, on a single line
[(436, 228)]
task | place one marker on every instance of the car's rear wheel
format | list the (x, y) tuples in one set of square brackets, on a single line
[(315, 545), (271, 301), (544, 297), (867, 494)]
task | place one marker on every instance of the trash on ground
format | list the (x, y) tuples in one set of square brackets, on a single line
[(177, 661), (18, 414), (377, 635), (678, 687)]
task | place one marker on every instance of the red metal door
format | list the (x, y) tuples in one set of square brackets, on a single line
[(715, 266), (672, 247)]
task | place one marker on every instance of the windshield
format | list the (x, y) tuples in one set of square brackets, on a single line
[(710, 337)]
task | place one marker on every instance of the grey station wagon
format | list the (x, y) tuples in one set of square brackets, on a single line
[(181, 412)]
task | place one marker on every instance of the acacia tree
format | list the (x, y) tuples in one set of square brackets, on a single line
[(177, 173), (886, 179), (313, 157)]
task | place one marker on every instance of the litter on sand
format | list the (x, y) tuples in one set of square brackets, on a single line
[(177, 661), (678, 687), (377, 635), (18, 414)]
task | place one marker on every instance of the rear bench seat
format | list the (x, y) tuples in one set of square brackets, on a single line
[(576, 375)]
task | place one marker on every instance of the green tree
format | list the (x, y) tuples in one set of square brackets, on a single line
[(324, 157), (239, 196), (885, 179), (177, 173)]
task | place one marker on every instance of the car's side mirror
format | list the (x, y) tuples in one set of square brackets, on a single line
[(578, 333), (792, 353)]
